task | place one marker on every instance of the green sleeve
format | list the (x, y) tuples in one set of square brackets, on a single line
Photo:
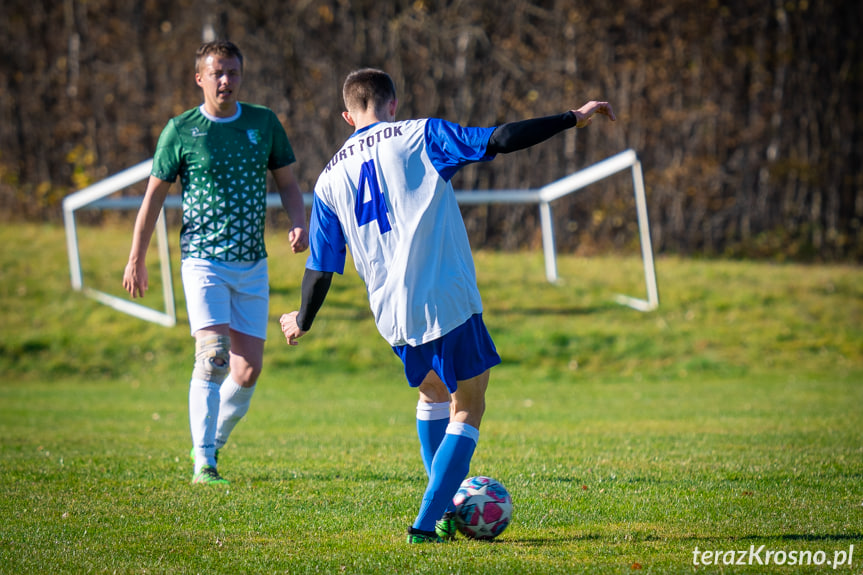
[(281, 154), (166, 160)]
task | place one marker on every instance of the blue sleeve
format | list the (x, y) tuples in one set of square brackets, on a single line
[(327, 251), (451, 147)]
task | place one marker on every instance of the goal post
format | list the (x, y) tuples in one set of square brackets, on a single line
[(574, 182), (544, 196), (93, 196), (96, 197)]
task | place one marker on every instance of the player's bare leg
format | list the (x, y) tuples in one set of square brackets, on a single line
[(468, 401), (432, 389), (247, 358)]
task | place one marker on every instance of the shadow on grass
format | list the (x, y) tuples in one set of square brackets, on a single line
[(753, 539), (346, 476), (805, 537), (551, 540), (772, 537), (555, 311)]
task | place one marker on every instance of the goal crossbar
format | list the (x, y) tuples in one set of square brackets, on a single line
[(96, 197)]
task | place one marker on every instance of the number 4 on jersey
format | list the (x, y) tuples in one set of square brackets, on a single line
[(375, 208)]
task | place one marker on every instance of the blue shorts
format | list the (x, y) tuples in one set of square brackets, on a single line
[(465, 352)]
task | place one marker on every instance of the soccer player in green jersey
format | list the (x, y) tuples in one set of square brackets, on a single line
[(221, 151)]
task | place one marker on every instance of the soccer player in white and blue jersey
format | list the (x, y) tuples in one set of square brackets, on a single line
[(387, 196)]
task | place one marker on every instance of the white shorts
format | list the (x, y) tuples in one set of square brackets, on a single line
[(232, 293)]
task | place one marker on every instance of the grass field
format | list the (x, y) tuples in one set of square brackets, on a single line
[(728, 420)]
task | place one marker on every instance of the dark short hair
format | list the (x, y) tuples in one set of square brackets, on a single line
[(368, 87), (221, 48)]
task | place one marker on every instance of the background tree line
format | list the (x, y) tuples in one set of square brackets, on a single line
[(746, 114)]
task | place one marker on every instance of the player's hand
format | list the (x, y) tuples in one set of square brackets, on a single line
[(135, 280), (299, 239), (290, 328), (586, 112)]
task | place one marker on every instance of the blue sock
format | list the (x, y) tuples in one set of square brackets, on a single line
[(432, 419), (449, 468)]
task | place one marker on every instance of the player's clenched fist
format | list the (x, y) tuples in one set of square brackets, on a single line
[(290, 328)]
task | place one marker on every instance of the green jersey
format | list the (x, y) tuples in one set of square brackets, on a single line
[(222, 165)]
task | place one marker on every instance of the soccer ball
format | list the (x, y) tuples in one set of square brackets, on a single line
[(483, 507)]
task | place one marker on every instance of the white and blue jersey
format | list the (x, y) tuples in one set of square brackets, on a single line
[(386, 196)]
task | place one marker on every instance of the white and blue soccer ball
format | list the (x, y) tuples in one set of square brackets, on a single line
[(483, 508)]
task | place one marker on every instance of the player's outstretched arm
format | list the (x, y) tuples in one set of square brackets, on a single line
[(586, 112), (135, 280), (514, 136)]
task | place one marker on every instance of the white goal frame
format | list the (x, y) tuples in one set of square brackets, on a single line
[(95, 197), (92, 197)]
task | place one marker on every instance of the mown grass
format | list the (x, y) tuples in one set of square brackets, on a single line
[(728, 418)]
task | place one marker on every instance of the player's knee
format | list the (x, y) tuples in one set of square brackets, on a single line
[(244, 373), (212, 358)]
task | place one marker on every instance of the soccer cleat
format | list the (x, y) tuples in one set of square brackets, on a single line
[(210, 476), (445, 526), (418, 536), (192, 455)]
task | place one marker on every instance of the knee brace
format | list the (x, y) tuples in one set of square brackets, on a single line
[(212, 358)]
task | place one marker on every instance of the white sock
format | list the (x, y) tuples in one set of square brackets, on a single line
[(235, 400), (203, 415)]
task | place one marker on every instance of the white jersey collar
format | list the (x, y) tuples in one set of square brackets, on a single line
[(213, 118)]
